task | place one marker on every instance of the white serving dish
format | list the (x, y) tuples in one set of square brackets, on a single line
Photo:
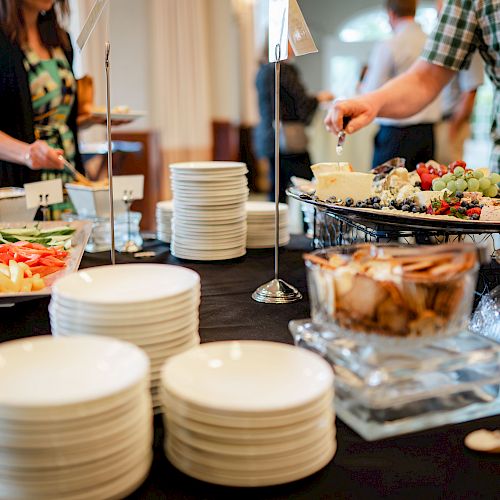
[(92, 201), (13, 205)]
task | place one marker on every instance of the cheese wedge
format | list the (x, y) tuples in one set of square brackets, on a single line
[(325, 168), (342, 185), (490, 214)]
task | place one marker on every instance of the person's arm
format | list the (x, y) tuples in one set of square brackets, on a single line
[(399, 98), (38, 155)]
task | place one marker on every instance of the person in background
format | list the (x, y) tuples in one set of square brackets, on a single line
[(457, 101), (37, 93), (297, 111), (463, 27), (413, 137)]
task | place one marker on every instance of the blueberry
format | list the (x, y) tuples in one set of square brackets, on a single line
[(463, 203), (459, 194), (393, 203), (423, 209), (475, 217), (376, 199), (462, 210), (415, 209), (363, 205), (418, 184), (349, 202), (475, 202), (405, 208), (377, 206), (359, 203)]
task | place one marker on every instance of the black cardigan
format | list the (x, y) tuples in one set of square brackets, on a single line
[(16, 112)]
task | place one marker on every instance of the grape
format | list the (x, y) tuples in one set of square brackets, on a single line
[(459, 171), (451, 186), (478, 174), (492, 191), (484, 183), (448, 177), (495, 178), (439, 185), (473, 184), (461, 185)]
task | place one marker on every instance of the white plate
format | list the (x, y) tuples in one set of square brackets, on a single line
[(248, 436), (153, 306), (79, 241), (127, 283), (254, 450), (67, 326), (110, 318), (45, 374), (212, 475), (205, 166), (264, 208), (130, 116), (288, 377), (182, 254), (267, 419)]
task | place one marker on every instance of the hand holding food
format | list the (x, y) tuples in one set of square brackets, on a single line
[(41, 156), (361, 112)]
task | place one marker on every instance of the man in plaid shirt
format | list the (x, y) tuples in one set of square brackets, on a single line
[(464, 27)]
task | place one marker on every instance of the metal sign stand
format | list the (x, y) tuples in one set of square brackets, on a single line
[(110, 153), (277, 291)]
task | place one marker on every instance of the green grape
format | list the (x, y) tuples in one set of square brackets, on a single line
[(473, 184), (459, 171), (451, 186), (439, 185), (461, 185), (495, 178), (448, 177), (478, 174), (484, 183), (492, 191)]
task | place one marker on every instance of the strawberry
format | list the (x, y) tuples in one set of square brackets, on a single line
[(472, 211), (427, 179)]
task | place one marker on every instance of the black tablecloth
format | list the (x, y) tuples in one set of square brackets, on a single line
[(432, 464)]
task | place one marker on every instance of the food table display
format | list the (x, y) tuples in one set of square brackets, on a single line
[(433, 462)]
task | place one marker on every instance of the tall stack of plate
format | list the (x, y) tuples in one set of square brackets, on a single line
[(248, 413), (209, 220), (75, 418), (164, 212), (154, 306), (260, 224)]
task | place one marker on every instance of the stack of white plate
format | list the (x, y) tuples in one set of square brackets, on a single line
[(164, 212), (75, 418), (260, 224), (209, 221), (248, 413), (154, 306)]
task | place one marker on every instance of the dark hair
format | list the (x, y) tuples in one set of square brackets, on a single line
[(49, 24), (402, 8)]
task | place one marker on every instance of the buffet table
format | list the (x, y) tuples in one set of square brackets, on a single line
[(433, 463)]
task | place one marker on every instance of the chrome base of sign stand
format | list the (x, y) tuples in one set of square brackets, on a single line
[(276, 291)]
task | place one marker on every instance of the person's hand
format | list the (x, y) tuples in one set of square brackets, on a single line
[(360, 111), (41, 156), (325, 96)]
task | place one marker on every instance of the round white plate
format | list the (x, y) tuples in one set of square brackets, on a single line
[(288, 377), (126, 283), (207, 166), (45, 373)]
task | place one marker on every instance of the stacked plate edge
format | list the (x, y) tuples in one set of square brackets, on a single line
[(164, 212), (261, 224), (248, 413), (75, 418), (154, 306), (209, 216)]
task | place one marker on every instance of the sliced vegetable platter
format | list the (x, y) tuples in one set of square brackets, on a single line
[(62, 241)]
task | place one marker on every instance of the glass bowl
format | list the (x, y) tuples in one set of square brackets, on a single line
[(393, 291)]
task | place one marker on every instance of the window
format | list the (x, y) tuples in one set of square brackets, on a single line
[(373, 25)]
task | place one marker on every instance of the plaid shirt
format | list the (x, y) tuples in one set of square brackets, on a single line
[(464, 27)]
